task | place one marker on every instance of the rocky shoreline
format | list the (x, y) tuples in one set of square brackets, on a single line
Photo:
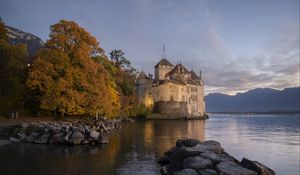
[(73, 132), (192, 157)]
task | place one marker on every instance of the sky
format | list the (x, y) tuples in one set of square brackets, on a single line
[(237, 44)]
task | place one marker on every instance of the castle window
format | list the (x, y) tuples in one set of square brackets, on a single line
[(171, 98), (194, 89), (194, 97)]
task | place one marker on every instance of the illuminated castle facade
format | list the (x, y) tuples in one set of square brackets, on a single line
[(174, 92)]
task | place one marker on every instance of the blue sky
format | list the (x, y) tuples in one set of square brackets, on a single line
[(238, 44)]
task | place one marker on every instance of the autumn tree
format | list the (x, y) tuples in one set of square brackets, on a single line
[(70, 80), (125, 80), (12, 74)]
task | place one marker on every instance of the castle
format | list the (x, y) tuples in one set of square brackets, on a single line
[(174, 93)]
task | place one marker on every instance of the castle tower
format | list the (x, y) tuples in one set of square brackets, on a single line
[(162, 68), (144, 91)]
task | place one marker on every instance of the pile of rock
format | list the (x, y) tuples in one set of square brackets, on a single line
[(86, 131), (192, 157)]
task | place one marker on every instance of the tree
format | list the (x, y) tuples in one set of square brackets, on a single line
[(3, 32), (126, 74), (68, 77), (125, 79), (12, 74)]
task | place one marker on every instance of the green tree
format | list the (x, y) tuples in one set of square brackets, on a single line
[(68, 77), (12, 74), (126, 74), (125, 78)]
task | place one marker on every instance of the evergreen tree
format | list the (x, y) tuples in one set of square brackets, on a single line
[(12, 74)]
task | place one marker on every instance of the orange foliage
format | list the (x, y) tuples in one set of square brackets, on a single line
[(68, 78)]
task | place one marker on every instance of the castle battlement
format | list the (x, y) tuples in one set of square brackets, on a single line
[(174, 92)]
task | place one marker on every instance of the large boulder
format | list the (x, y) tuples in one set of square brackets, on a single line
[(217, 158), (186, 172), (189, 142), (164, 160), (42, 138), (213, 146), (260, 168), (32, 137), (58, 138), (232, 168), (197, 163), (207, 172), (94, 135), (76, 137), (22, 136)]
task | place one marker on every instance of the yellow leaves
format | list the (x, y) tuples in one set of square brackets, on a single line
[(68, 78)]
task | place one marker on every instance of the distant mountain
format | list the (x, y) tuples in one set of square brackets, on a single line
[(256, 100), (17, 36)]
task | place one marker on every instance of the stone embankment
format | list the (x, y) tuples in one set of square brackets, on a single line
[(85, 131), (192, 157)]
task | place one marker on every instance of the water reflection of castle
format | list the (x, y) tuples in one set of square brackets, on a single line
[(163, 134)]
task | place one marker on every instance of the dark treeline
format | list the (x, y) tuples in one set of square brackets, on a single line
[(70, 75)]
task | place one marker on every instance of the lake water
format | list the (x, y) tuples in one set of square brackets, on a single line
[(270, 139)]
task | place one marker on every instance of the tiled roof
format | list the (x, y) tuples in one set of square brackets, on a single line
[(179, 68), (194, 76), (164, 62)]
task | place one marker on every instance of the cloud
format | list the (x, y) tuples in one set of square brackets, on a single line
[(277, 67), (192, 30)]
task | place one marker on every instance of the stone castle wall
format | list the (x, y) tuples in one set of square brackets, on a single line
[(172, 109)]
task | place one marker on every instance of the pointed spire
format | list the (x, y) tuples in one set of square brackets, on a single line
[(164, 52), (200, 74)]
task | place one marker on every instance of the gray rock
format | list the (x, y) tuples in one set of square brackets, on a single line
[(163, 170), (85, 142), (207, 172), (213, 146), (24, 125), (42, 138), (199, 149), (181, 153), (94, 135), (260, 168), (102, 139), (76, 137), (21, 136), (32, 137), (59, 137), (87, 129), (55, 129), (13, 139), (186, 172), (231, 168), (164, 160), (189, 142), (67, 136), (217, 158), (197, 163)]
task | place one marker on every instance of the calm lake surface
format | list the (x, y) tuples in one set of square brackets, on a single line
[(270, 139)]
